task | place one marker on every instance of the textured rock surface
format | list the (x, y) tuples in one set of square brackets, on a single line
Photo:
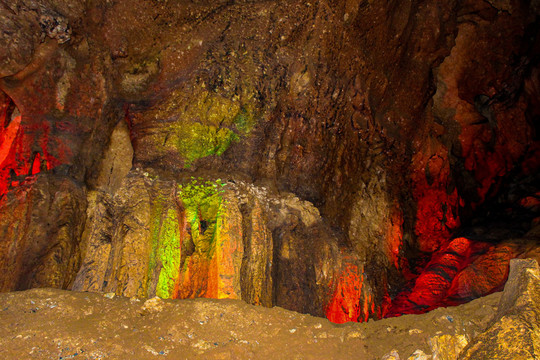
[(207, 239), (515, 331), (381, 132), (462, 271), (46, 252), (117, 160)]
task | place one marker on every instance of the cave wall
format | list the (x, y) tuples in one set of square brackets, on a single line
[(352, 140)]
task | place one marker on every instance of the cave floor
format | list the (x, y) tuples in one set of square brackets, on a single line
[(58, 324)]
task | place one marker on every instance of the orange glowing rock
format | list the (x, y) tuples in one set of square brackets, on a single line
[(212, 269), (7, 136), (345, 303), (351, 300)]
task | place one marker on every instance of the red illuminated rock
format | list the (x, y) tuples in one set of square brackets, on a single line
[(486, 274), (352, 299)]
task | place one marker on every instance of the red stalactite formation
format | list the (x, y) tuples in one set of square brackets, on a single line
[(352, 299), (19, 161), (346, 302)]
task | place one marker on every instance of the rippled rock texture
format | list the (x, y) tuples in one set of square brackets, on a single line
[(350, 159)]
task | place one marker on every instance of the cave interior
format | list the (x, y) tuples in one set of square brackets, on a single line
[(348, 159)]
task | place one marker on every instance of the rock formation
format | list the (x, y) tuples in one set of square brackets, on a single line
[(347, 159)]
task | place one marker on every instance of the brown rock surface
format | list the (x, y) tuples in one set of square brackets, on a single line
[(46, 323), (45, 252), (239, 241)]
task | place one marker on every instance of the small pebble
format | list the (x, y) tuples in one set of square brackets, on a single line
[(393, 355), (418, 355)]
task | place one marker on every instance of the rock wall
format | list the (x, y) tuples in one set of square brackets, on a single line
[(41, 223), (355, 141)]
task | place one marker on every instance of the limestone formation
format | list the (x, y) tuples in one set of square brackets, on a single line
[(349, 159), (206, 239), (44, 252), (514, 333)]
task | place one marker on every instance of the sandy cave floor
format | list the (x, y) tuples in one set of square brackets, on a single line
[(57, 324)]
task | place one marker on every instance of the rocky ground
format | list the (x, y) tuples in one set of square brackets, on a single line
[(58, 324)]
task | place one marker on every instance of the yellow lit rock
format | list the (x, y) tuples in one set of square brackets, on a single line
[(447, 347), (515, 332)]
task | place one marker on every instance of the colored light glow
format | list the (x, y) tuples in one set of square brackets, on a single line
[(36, 166), (460, 272), (196, 227), (155, 226), (351, 299), (7, 137), (18, 137), (169, 255), (213, 123), (437, 208), (345, 304)]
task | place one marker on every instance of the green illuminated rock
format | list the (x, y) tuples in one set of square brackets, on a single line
[(203, 123), (204, 210), (169, 254)]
